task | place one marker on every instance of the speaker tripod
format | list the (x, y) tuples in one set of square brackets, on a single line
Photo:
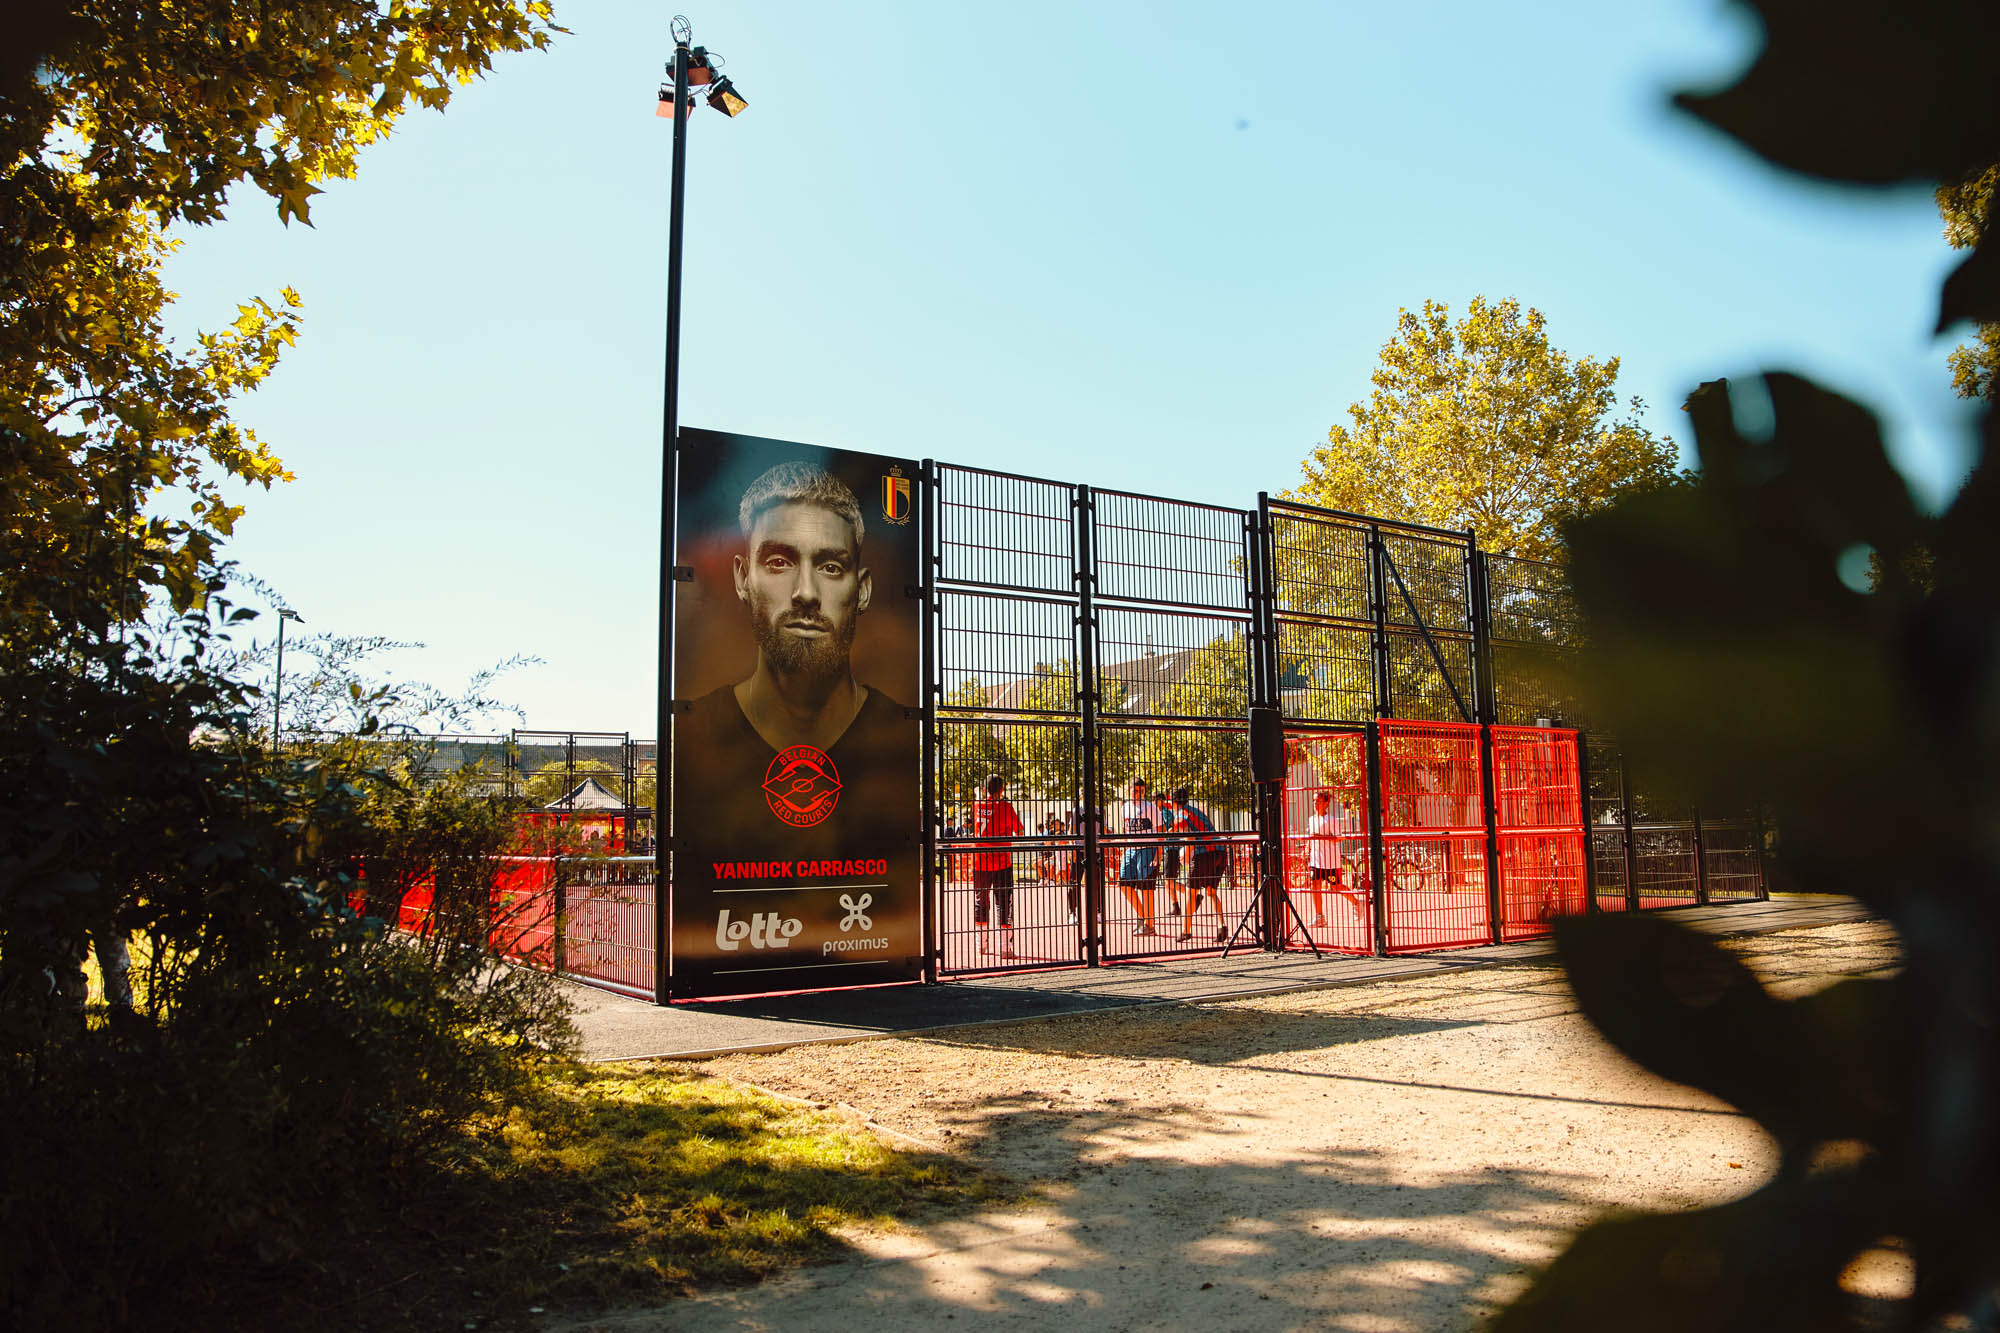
[(1291, 909), (1267, 771)]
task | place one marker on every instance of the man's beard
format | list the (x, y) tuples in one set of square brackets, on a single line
[(824, 659)]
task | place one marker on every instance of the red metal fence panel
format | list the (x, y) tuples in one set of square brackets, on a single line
[(1538, 804), (1031, 916), (1433, 835), (1541, 878), (1326, 841)]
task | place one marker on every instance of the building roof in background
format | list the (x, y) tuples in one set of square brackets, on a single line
[(590, 794), (1147, 680)]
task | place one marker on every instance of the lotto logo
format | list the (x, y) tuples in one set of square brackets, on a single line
[(764, 930)]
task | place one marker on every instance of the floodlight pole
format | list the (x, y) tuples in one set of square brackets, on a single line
[(669, 573), (278, 687)]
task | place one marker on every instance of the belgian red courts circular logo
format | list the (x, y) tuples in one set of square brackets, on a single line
[(801, 785)]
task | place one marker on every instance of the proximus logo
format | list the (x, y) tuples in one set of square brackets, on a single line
[(764, 930)]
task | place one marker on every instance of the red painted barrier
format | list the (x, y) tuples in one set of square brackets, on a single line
[(1539, 805), (1326, 849), (1433, 836)]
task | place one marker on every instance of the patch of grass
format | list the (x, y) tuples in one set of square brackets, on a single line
[(610, 1184)]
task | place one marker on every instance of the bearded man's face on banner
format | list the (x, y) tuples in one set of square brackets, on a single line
[(803, 582)]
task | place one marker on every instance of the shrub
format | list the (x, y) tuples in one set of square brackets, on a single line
[(285, 1059)]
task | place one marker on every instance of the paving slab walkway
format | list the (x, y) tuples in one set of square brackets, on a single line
[(614, 1027)]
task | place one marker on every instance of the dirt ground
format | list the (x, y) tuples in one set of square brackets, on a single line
[(1394, 1156)]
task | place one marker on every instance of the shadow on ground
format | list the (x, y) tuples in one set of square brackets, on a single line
[(1146, 1241), (1230, 1034), (1182, 1184)]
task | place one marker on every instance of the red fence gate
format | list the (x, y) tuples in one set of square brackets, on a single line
[(1434, 862), (1434, 824), (1538, 824), (1326, 838)]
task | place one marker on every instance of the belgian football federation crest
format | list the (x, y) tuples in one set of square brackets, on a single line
[(801, 785), (896, 497)]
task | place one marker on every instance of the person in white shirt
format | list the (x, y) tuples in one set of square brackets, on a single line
[(1332, 870), (1322, 854)]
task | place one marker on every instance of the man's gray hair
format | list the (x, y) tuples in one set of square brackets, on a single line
[(800, 483)]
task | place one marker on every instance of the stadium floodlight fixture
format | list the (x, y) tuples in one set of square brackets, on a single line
[(724, 98), (702, 67)]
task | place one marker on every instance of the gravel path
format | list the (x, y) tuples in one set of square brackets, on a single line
[(1384, 1157)]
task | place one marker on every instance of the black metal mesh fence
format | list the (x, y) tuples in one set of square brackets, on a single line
[(1431, 679), (1172, 612), (1082, 641), (1007, 703), (1001, 531), (1169, 552)]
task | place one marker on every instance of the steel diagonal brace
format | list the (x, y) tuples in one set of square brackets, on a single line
[(1425, 630)]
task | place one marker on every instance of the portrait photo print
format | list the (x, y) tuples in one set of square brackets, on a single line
[(795, 791)]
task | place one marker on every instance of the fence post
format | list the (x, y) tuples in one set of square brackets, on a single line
[(927, 707), (1489, 798), (1583, 811), (1263, 587), (1763, 871), (663, 804), (1378, 610), (558, 913), (1385, 704), (1268, 800), (1486, 695), (1631, 842), (1378, 884), (1084, 506), (1485, 689), (1700, 863)]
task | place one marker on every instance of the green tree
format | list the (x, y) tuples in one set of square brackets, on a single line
[(1214, 764), (285, 1049), (968, 748), (1119, 749), (1044, 753), (1484, 424), (1329, 762), (554, 781), (1966, 205), (118, 121)]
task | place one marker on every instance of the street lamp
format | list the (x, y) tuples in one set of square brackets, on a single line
[(692, 65), (278, 691)]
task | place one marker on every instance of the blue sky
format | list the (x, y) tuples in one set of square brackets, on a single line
[(1157, 246)]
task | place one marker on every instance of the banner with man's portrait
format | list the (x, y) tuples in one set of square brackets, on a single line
[(796, 806)]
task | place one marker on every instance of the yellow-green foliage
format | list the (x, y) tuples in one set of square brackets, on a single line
[(120, 121), (628, 1182), (1483, 424), (1966, 205)]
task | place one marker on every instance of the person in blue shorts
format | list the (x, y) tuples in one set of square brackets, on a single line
[(1139, 870)]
